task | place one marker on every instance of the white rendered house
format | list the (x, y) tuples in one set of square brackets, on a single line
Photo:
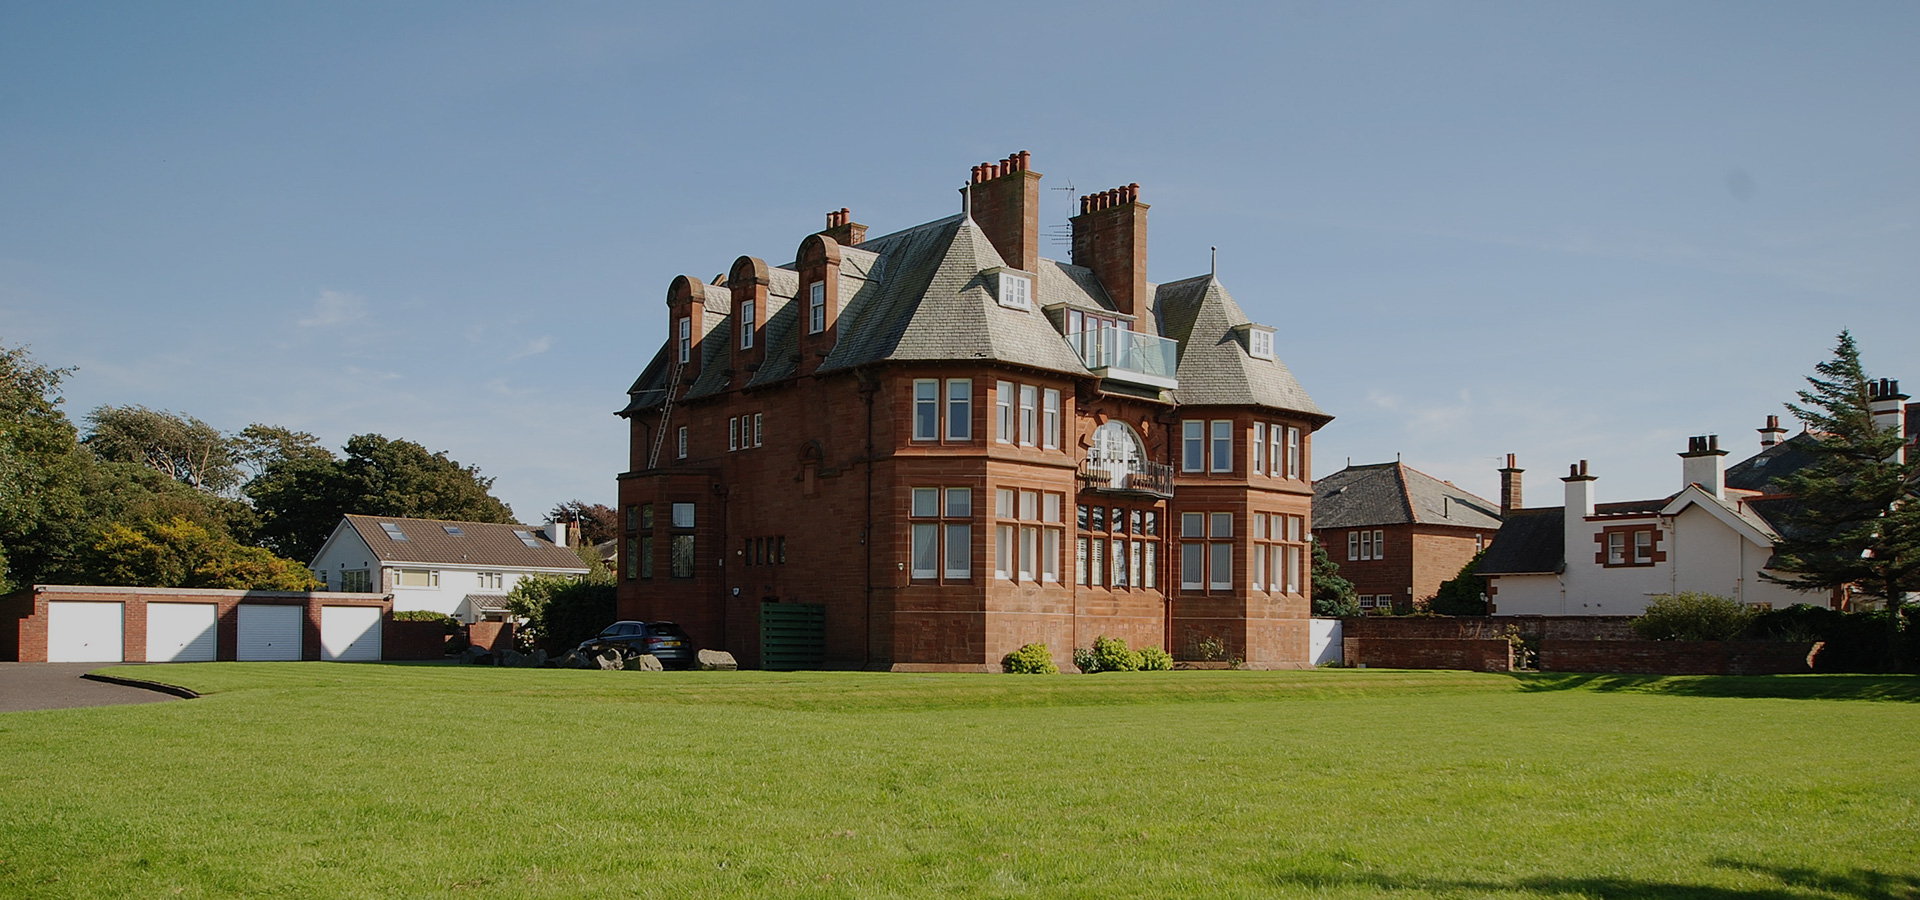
[(461, 569)]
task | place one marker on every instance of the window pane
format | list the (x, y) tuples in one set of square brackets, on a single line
[(926, 501), (926, 550), (1050, 426), (1379, 545), (1153, 522), (646, 516), (1030, 505), (1029, 543), (1133, 565), (1080, 561), (683, 515), (1193, 524), (1193, 446), (1119, 519), (1003, 503), (1150, 565), (1220, 567), (1120, 563), (1222, 525), (959, 410), (1259, 526), (683, 556), (646, 556), (1096, 567), (1259, 447), (1083, 517), (1003, 409), (1222, 446), (1003, 551), (1050, 511), (1259, 578), (926, 410), (1193, 565), (959, 551), (1050, 554), (1099, 518), (959, 503), (1027, 411)]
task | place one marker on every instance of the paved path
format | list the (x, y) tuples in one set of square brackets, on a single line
[(59, 686)]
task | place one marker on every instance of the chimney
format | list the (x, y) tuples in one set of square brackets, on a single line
[(1006, 205), (1884, 402), (748, 282), (1510, 487), (1772, 434), (1705, 464), (1573, 522), (1110, 237), (844, 230), (686, 308), (557, 533)]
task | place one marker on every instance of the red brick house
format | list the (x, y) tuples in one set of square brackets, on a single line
[(1397, 532), (950, 446)]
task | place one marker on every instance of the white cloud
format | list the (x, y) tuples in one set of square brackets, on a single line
[(535, 347), (335, 308)]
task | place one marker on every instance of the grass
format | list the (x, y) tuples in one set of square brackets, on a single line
[(337, 780)]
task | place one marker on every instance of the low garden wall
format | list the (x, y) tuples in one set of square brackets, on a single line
[(1477, 654), (414, 640), (1638, 657), (1603, 644)]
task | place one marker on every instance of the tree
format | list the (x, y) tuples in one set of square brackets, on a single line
[(1854, 521), (1332, 595), (179, 446), (259, 446), (301, 495), (1465, 594), (597, 522), (182, 553), (40, 470)]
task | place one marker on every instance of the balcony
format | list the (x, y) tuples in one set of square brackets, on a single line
[(1127, 476), (1130, 356)]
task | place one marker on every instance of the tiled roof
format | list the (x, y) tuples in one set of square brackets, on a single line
[(1530, 542), (478, 544), (1215, 368), (1395, 494), (1757, 472)]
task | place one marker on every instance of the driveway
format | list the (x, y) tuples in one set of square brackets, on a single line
[(59, 686)]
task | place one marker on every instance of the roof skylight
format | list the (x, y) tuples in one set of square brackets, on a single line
[(393, 531), (526, 537), (453, 530)]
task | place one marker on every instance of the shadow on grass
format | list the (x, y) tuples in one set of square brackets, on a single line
[(1792, 884), (1896, 688)]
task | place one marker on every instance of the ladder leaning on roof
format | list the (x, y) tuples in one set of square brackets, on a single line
[(666, 410)]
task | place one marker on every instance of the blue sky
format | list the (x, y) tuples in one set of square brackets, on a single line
[(1564, 231)]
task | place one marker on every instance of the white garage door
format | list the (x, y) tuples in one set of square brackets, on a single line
[(270, 632), (85, 631), (182, 632), (350, 633)]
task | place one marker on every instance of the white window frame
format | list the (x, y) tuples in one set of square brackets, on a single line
[(959, 409), (925, 550), (1050, 418), (816, 307), (680, 443), (686, 338), (1259, 343), (1257, 459), (1220, 566), (1221, 449), (746, 324), (1379, 545), (733, 433), (1293, 453), (1149, 566), (1353, 545), (429, 577), (959, 548), (756, 429), (1193, 445), (1193, 565), (1029, 421), (1275, 442), (926, 409), (1016, 291)]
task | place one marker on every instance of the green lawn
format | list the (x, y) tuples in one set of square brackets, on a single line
[(327, 780)]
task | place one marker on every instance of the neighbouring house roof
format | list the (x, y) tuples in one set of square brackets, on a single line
[(927, 293), (1396, 494), (485, 603), (1530, 542), (1759, 471), (477, 544)]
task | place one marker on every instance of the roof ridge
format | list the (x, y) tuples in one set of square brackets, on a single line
[(1406, 492)]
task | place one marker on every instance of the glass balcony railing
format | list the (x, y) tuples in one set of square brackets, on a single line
[(1127, 476), (1132, 356)]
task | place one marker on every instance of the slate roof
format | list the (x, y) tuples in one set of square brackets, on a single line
[(1215, 368), (1757, 472), (1395, 494), (478, 544), (1530, 542), (926, 294)]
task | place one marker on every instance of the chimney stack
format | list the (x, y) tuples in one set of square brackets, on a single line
[(1110, 237), (1510, 487), (844, 230), (1772, 434), (1884, 402), (1005, 198), (1705, 464), (1573, 522)]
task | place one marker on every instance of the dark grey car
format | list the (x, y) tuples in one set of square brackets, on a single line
[(666, 641)]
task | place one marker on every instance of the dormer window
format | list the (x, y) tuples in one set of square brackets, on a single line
[(746, 325), (686, 338), (1016, 290), (816, 307), (1259, 342)]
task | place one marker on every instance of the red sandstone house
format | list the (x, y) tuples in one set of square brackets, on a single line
[(945, 446), (1397, 532)]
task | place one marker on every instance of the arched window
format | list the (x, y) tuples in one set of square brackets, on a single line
[(1117, 449)]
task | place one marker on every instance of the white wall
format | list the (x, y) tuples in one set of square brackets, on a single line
[(345, 550), (1528, 595), (1325, 645)]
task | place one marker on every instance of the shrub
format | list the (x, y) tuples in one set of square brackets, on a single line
[(1154, 659), (1693, 616), (1032, 659), (1112, 655), (450, 623), (559, 611), (1083, 660)]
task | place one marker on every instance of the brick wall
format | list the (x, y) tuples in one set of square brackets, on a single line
[(1475, 627), (413, 640), (491, 636), (1479, 655), (1676, 657)]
